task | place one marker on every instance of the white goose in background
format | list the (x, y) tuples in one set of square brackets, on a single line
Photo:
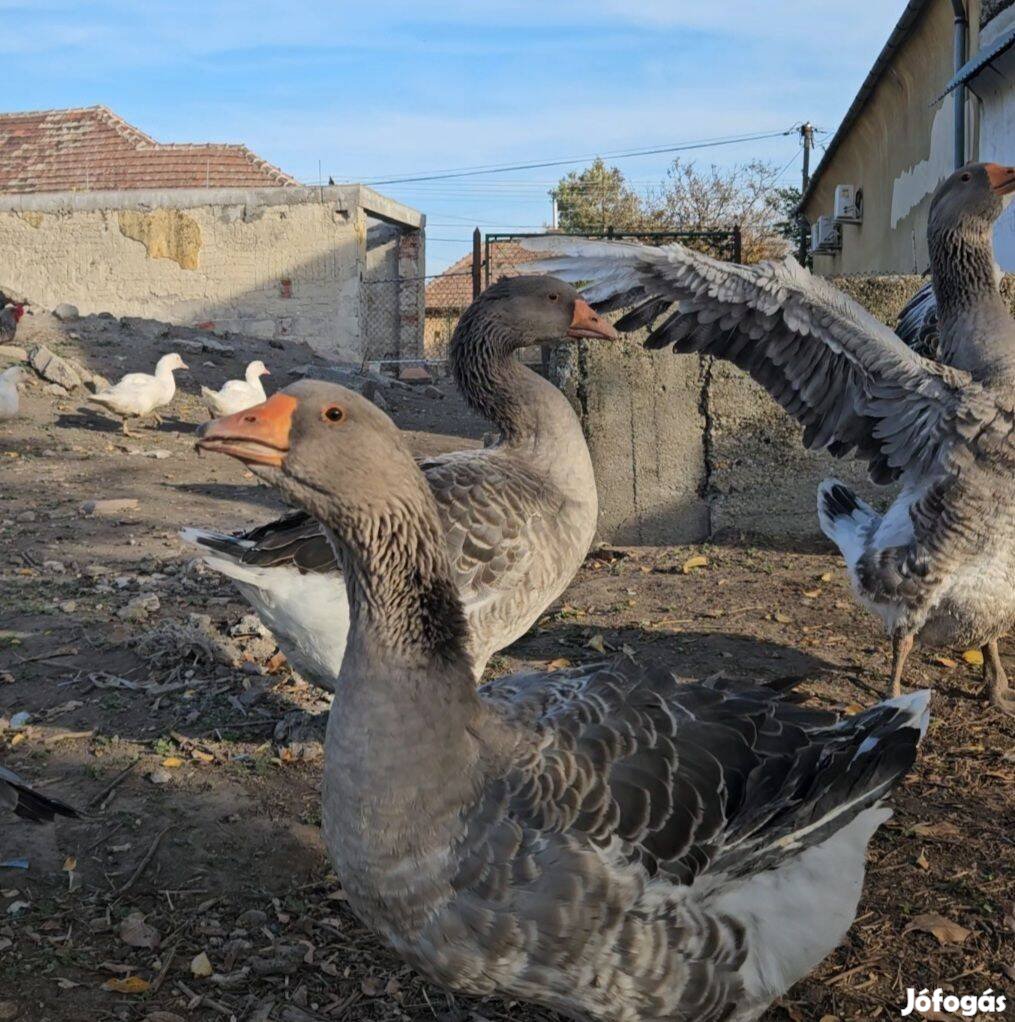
[(137, 395), (939, 564), (619, 844), (10, 399), (519, 516), (235, 395)]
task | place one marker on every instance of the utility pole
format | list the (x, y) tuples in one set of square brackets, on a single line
[(477, 262), (553, 220), (807, 138)]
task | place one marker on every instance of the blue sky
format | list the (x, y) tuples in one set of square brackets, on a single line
[(383, 89)]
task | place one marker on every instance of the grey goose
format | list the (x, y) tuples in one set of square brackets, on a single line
[(615, 844), (519, 516), (939, 563)]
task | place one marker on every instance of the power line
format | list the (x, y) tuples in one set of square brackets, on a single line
[(651, 151)]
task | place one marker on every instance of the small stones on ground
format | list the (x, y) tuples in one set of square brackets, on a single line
[(434, 392), (66, 312), (110, 507), (55, 390), (19, 721), (200, 965), (140, 608), (160, 776), (26, 516), (13, 352), (68, 606), (53, 368), (56, 567)]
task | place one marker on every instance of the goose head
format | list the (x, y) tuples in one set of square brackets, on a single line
[(521, 311), (256, 370), (169, 363), (326, 448), (971, 199)]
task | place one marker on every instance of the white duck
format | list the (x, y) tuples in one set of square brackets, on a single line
[(139, 394), (237, 395), (9, 397)]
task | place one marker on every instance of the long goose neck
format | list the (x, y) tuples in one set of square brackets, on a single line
[(977, 332), (493, 382), (401, 759)]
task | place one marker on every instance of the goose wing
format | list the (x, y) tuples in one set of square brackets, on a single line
[(917, 325), (21, 799), (498, 523), (845, 376), (693, 778)]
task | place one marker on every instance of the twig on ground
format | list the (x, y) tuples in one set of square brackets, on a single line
[(143, 864), (100, 798)]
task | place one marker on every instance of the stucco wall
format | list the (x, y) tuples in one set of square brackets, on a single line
[(898, 150), (275, 263), (688, 448)]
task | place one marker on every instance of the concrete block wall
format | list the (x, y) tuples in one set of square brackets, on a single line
[(274, 263), (688, 448)]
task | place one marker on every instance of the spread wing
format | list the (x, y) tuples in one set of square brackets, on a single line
[(854, 386)]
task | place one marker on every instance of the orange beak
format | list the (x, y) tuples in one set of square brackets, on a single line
[(255, 436), (1002, 179), (587, 323)]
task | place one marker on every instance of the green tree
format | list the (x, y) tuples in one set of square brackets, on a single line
[(596, 199), (688, 199)]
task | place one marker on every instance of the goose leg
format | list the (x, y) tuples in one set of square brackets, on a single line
[(902, 645), (1001, 695), (126, 427)]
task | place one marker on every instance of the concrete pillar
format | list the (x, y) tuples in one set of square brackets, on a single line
[(411, 293), (645, 424)]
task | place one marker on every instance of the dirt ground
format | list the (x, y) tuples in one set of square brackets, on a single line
[(197, 885)]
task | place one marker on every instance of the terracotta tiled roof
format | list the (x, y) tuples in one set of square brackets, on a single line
[(452, 290), (91, 149)]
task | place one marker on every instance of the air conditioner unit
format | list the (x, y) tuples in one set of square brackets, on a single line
[(825, 235), (848, 207)]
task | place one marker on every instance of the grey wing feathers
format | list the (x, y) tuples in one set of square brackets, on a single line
[(917, 325), (20, 798), (709, 777), (493, 521), (294, 540), (855, 387)]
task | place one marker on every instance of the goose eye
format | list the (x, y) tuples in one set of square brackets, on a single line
[(553, 296), (967, 176), (333, 414)]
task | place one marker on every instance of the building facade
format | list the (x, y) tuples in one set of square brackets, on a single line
[(95, 213), (897, 141)]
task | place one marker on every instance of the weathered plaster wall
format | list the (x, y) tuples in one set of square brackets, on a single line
[(263, 263), (688, 448)]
